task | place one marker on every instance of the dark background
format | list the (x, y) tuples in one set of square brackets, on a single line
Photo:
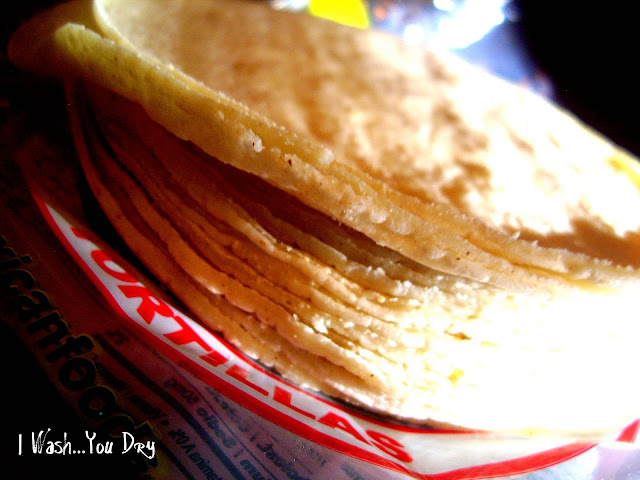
[(581, 55), (589, 50)]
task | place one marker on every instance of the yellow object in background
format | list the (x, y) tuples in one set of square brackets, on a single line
[(348, 12)]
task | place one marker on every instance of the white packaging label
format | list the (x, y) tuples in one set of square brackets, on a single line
[(218, 414)]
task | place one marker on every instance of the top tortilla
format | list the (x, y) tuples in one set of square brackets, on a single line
[(453, 168)]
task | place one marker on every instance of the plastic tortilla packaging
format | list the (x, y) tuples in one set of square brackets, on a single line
[(127, 359), (130, 361), (162, 396)]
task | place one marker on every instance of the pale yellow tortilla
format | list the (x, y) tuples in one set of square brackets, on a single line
[(432, 234), (448, 133), (410, 287)]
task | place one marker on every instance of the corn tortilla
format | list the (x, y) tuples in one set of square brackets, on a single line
[(356, 203)]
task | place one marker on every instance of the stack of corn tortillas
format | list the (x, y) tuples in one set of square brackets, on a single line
[(386, 225)]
